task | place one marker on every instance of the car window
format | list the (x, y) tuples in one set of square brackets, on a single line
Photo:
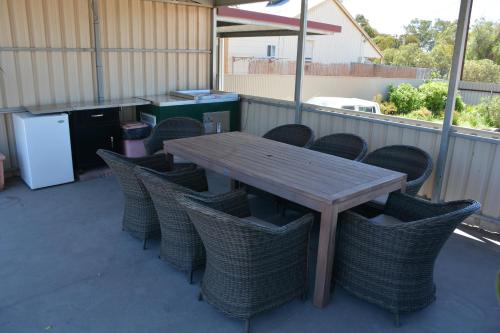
[(348, 107), (367, 109)]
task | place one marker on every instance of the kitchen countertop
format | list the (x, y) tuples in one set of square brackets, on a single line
[(71, 107), (167, 100), (190, 97)]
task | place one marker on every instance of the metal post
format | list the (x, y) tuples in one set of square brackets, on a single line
[(214, 53), (299, 71), (456, 68), (98, 54), (222, 63)]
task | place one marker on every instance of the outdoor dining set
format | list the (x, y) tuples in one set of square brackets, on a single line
[(377, 239)]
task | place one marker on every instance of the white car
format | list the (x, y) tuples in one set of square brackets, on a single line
[(355, 104)]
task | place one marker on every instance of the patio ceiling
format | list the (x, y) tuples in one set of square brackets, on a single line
[(232, 22)]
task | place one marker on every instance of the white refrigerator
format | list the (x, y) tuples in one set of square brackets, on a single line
[(43, 149)]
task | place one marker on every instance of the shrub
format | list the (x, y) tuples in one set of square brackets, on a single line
[(434, 95), (470, 117), (388, 108), (406, 98), (421, 114), (490, 109)]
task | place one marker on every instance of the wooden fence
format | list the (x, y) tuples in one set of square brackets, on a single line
[(285, 67)]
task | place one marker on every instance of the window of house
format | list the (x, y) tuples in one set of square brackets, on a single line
[(271, 51), (309, 50)]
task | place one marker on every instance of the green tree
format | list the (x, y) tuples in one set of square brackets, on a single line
[(484, 41), (408, 55), (484, 70), (385, 41), (365, 24), (442, 55), (423, 31)]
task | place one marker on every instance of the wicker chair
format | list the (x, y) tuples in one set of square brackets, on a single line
[(389, 260), (172, 128), (251, 266), (344, 145), (413, 161), (293, 134), (180, 244), (139, 216)]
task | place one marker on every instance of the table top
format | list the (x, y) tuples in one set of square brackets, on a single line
[(304, 176)]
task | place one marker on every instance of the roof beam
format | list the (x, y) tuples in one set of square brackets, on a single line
[(222, 3)]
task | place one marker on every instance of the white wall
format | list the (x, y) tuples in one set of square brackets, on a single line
[(282, 86), (350, 45)]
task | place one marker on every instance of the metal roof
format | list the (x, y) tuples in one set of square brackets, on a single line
[(233, 22)]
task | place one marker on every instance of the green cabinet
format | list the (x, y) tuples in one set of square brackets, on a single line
[(195, 110)]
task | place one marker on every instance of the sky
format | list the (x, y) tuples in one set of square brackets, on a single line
[(390, 16)]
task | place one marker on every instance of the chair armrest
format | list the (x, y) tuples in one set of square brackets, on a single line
[(409, 208), (233, 203)]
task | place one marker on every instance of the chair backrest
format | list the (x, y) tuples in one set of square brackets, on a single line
[(344, 145), (123, 168), (172, 128), (211, 224), (163, 189), (293, 134), (413, 161)]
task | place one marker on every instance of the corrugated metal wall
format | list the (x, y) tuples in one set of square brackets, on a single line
[(152, 47), (45, 52), (47, 56), (473, 166)]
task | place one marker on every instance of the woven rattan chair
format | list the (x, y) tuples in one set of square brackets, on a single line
[(293, 134), (344, 145), (180, 244), (139, 216), (413, 161), (251, 266), (389, 260), (172, 128)]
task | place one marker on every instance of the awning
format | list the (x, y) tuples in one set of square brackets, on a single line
[(233, 22)]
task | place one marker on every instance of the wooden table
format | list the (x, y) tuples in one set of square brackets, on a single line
[(325, 183)]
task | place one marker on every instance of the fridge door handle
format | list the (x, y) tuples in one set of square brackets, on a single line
[(99, 115)]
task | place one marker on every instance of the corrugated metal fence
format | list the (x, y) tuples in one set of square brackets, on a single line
[(473, 166), (473, 92)]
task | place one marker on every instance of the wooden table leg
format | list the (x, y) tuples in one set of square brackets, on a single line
[(324, 262)]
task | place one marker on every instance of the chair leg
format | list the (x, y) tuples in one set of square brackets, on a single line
[(200, 296), (190, 277), (144, 244), (247, 326), (396, 320)]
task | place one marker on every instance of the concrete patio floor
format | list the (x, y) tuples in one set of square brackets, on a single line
[(66, 266)]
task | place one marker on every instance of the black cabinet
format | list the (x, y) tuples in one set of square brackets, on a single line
[(92, 130)]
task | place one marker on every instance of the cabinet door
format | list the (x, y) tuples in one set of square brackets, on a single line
[(89, 140)]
